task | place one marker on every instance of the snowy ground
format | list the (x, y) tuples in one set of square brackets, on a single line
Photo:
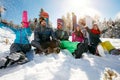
[(58, 67), (5, 33)]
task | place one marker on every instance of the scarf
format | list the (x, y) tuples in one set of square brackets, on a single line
[(95, 31)]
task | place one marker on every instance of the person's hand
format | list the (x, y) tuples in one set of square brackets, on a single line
[(110, 27), (85, 26), (54, 39), (82, 22)]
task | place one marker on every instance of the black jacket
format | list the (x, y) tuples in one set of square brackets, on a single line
[(94, 38), (61, 35), (43, 34)]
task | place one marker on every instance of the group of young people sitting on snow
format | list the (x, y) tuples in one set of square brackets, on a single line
[(48, 41)]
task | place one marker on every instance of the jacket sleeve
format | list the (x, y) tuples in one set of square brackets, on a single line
[(103, 31), (88, 30), (10, 27), (66, 36), (29, 31), (36, 35), (53, 35), (73, 37)]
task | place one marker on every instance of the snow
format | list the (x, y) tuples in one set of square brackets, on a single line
[(117, 16), (58, 67), (5, 33)]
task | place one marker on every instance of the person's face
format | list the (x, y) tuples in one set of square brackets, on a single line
[(22, 24), (59, 26), (95, 27), (43, 23), (78, 28)]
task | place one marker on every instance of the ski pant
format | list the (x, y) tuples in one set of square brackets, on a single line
[(40, 46), (17, 55), (45, 45), (15, 47)]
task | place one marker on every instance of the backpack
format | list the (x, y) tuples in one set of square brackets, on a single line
[(81, 48)]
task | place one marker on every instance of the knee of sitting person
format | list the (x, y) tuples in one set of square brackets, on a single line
[(33, 42)]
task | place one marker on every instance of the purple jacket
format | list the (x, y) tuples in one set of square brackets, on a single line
[(76, 38)]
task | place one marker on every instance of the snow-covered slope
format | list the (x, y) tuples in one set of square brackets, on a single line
[(5, 34), (59, 67)]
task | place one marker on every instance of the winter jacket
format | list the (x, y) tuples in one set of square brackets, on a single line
[(77, 38), (1, 25), (61, 35), (22, 34), (43, 34), (94, 38), (4, 25)]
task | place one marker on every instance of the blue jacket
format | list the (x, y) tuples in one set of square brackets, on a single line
[(43, 34), (22, 34)]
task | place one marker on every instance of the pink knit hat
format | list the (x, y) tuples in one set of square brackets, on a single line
[(25, 19)]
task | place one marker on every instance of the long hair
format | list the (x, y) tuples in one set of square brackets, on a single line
[(95, 31), (78, 33)]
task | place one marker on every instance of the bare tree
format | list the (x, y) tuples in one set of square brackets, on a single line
[(2, 9)]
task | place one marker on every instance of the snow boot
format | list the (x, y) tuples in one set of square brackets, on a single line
[(37, 51), (2, 62), (6, 62), (52, 50), (9, 60), (56, 50), (77, 54), (81, 48), (23, 59), (16, 57)]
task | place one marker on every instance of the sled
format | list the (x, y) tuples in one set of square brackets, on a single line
[(104, 48), (107, 46), (100, 50)]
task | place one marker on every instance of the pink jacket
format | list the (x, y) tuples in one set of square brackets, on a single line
[(77, 39)]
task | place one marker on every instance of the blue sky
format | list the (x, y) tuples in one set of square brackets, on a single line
[(58, 8)]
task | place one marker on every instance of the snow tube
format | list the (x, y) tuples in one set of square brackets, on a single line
[(107, 46), (70, 46), (101, 51), (25, 19)]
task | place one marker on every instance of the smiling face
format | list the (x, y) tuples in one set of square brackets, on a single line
[(22, 25), (78, 28), (95, 26), (59, 26), (43, 23)]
